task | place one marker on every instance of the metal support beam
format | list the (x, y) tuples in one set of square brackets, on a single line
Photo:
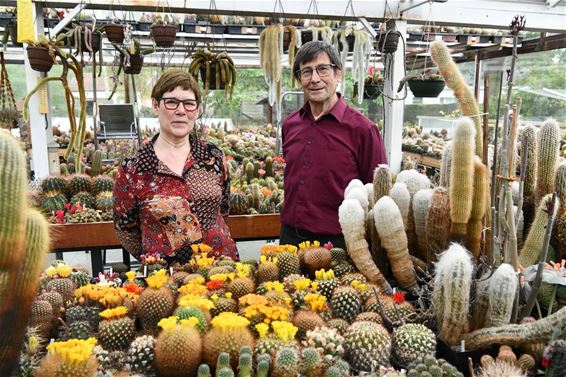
[(394, 104), (39, 124), (68, 18), (552, 3)]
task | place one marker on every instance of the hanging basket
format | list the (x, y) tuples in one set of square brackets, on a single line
[(371, 91), (136, 64), (114, 33), (212, 83), (39, 58), (350, 40), (164, 35), (389, 41), (426, 87), (95, 43)]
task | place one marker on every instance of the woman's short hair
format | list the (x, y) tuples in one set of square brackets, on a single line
[(310, 50), (172, 79)]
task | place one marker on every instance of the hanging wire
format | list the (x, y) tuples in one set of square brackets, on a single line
[(425, 38), (313, 4), (350, 6)]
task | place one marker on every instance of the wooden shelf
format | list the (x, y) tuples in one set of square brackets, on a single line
[(101, 235), (422, 159)]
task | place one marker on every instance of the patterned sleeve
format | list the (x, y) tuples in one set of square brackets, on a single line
[(126, 212), (225, 203)]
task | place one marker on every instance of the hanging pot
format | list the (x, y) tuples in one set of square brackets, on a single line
[(426, 87), (351, 40), (136, 64), (388, 42), (39, 58), (114, 33), (212, 83), (95, 42), (371, 91), (164, 35)]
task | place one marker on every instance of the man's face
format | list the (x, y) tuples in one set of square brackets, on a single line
[(321, 86)]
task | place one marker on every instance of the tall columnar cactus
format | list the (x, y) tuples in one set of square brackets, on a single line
[(96, 163), (421, 202), (451, 292), (501, 293), (532, 247), (455, 81), (529, 134), (352, 218), (389, 225), (400, 195), (462, 178), (517, 335), (548, 154), (560, 185), (438, 223), (359, 194), (479, 206), (446, 165), (24, 240), (381, 182), (481, 303)]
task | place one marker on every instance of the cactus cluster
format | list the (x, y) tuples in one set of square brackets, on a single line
[(412, 342)]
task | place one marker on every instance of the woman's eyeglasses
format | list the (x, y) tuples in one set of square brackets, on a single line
[(171, 103), (323, 70)]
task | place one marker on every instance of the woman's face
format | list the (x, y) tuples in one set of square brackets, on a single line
[(176, 122)]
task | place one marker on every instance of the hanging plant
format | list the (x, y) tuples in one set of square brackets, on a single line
[(131, 57), (372, 86), (271, 45), (362, 45), (86, 37), (317, 33), (164, 30), (217, 71), (42, 53), (114, 32), (9, 113)]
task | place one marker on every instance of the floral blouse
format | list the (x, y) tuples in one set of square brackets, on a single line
[(157, 210)]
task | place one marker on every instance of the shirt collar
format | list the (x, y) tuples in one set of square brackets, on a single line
[(148, 159), (337, 110)]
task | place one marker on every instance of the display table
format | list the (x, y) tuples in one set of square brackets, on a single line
[(96, 237)]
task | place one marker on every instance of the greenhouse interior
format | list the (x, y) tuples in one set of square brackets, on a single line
[(229, 237)]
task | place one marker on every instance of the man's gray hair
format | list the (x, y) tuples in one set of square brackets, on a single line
[(310, 50)]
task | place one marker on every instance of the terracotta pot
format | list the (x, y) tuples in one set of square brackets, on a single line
[(426, 87), (136, 64), (164, 35), (39, 58), (114, 33)]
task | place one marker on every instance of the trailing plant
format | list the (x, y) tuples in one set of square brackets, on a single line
[(8, 111), (221, 64)]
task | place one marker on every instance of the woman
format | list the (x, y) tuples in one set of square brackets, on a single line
[(175, 190)]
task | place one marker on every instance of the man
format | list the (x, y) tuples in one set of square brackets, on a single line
[(326, 144)]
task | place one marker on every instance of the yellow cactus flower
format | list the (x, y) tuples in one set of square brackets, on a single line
[(117, 312), (222, 277), (262, 329), (198, 301), (214, 298), (168, 323), (51, 271), (200, 248), (274, 286), (229, 321), (360, 287), (284, 330), (242, 270), (73, 351), (131, 275), (190, 322), (228, 295), (302, 284), (64, 270), (33, 343), (193, 289), (157, 279), (317, 302)]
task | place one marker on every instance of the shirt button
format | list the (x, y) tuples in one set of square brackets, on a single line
[(309, 142), (302, 182)]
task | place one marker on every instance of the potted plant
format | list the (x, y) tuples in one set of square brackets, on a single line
[(86, 36), (114, 32), (164, 30), (426, 84), (41, 53), (388, 41), (217, 71), (131, 57), (9, 113), (372, 85)]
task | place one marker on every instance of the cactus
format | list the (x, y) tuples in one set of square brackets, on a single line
[(367, 346), (501, 293), (141, 354), (421, 203), (83, 197), (548, 154), (286, 362), (411, 342), (53, 201), (80, 182), (529, 135), (352, 218), (54, 183), (415, 182), (532, 247), (389, 225), (104, 201), (68, 359), (116, 333), (262, 368), (311, 362), (455, 81), (307, 320), (479, 203), (186, 312), (451, 292), (446, 165), (238, 203), (249, 169), (400, 195), (461, 178), (560, 186), (346, 303), (96, 163), (381, 182), (178, 351), (438, 223), (154, 304), (269, 166), (203, 371), (24, 240), (245, 364)]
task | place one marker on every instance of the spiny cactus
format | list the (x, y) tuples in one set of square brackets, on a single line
[(311, 362), (400, 195), (421, 202), (389, 225), (367, 346), (102, 183), (352, 218), (451, 292), (438, 223), (455, 80), (461, 178), (141, 354), (381, 182), (529, 136), (446, 165), (178, 351), (532, 247), (96, 163), (24, 240), (479, 203), (286, 362), (54, 183), (501, 293), (411, 342), (548, 154)]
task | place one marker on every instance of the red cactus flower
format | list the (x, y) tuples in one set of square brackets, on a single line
[(399, 297)]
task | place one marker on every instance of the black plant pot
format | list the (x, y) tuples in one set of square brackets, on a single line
[(212, 83), (388, 42), (371, 91), (136, 64), (426, 87)]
